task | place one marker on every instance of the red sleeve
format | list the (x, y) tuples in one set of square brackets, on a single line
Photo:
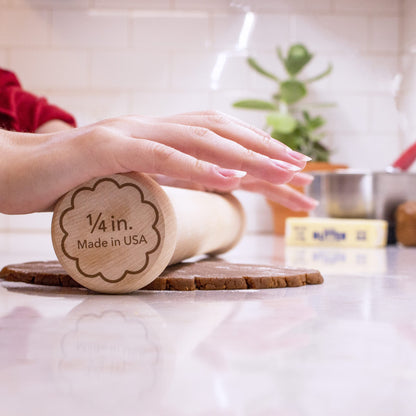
[(23, 111)]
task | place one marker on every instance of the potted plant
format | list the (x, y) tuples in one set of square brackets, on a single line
[(288, 118)]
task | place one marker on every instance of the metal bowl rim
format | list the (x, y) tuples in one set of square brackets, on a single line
[(358, 173)]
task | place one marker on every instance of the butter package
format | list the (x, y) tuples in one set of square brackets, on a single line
[(335, 232)]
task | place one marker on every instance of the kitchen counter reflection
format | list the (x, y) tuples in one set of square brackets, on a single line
[(341, 348)]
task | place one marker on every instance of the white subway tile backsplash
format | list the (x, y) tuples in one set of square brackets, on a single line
[(351, 73), (259, 218), (408, 27), (24, 27), (291, 6), (383, 115), (409, 7), (334, 33), (270, 31), (31, 222), (315, 6), (227, 29), (81, 29), (263, 32), (3, 58), (172, 33), (409, 35), (406, 98), (50, 69), (223, 100), (89, 108), (369, 152), (203, 71), (217, 5), (24, 246), (384, 34), (351, 114), (194, 71), (255, 5), (66, 4), (129, 70), (369, 6), (168, 103), (383, 70), (363, 73), (132, 4), (234, 73)]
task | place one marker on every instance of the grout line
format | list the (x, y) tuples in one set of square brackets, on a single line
[(10, 230)]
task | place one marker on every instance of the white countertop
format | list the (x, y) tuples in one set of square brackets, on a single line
[(346, 347)]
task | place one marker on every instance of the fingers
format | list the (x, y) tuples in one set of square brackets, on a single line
[(204, 144), (282, 194), (212, 150), (248, 136), (276, 193), (301, 179), (155, 158), (178, 183)]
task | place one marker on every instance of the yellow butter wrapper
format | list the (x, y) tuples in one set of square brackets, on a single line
[(335, 232)]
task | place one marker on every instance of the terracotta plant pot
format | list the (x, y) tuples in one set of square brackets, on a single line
[(280, 213)]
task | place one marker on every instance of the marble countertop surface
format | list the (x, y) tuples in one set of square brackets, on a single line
[(346, 347)]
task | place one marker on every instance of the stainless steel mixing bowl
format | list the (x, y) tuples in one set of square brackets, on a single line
[(357, 194)]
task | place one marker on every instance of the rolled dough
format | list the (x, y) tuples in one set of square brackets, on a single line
[(201, 275)]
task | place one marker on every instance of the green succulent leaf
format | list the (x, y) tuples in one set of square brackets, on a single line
[(323, 74), (281, 123), (297, 58), (280, 56), (292, 91), (291, 139), (316, 122), (320, 153), (254, 64), (319, 105), (255, 105), (300, 130), (312, 123)]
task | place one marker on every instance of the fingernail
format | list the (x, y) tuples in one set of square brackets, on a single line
[(307, 176), (285, 165), (313, 202), (308, 205), (299, 156), (231, 173)]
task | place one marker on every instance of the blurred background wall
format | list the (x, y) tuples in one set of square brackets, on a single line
[(101, 58)]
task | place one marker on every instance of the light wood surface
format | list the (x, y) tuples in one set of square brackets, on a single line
[(117, 234)]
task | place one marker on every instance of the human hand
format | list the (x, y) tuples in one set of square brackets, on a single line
[(213, 150)]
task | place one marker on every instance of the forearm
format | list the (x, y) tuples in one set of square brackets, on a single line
[(53, 126), (39, 168), (215, 151)]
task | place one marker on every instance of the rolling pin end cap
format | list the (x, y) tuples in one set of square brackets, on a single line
[(114, 234)]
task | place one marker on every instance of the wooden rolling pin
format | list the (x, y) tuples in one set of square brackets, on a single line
[(116, 234)]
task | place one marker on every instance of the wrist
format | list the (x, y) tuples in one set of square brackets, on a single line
[(53, 126)]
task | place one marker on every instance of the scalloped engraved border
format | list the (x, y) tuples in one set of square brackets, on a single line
[(66, 234)]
